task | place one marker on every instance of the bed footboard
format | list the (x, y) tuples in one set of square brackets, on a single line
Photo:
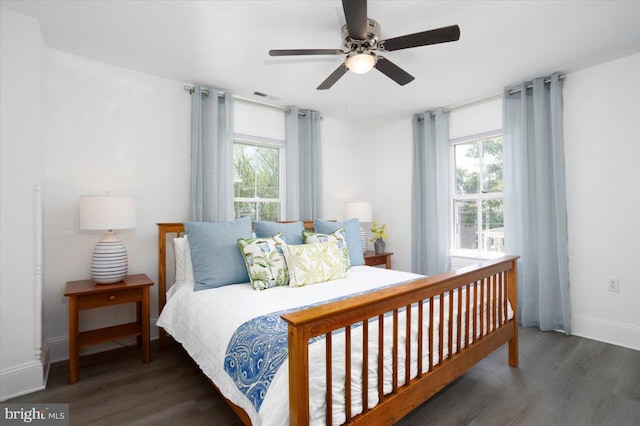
[(457, 318)]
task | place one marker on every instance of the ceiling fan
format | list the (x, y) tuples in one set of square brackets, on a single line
[(363, 47)]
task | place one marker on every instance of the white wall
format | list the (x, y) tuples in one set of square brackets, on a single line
[(108, 128), (21, 362), (347, 166), (392, 203), (602, 147)]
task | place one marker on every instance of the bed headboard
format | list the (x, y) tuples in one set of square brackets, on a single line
[(177, 229)]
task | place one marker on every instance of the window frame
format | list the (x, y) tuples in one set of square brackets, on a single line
[(479, 197), (282, 152)]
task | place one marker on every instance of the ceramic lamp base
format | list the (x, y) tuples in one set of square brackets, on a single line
[(363, 239), (109, 262)]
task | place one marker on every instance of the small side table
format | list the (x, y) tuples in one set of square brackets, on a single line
[(373, 259), (86, 294)]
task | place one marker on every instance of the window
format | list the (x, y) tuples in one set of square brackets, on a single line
[(258, 178), (477, 205)]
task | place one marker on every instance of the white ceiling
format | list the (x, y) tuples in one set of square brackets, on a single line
[(225, 43)]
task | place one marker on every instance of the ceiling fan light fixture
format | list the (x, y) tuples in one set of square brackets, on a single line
[(360, 63)]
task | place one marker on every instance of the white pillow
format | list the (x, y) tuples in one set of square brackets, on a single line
[(182, 253)]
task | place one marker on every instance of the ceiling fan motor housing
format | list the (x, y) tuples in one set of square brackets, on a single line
[(373, 35)]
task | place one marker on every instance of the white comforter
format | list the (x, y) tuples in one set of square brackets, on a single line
[(204, 322)]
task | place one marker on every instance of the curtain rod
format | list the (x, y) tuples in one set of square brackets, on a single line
[(492, 97), (205, 92), (530, 85), (467, 104)]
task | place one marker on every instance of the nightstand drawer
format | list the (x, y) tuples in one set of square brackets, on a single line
[(108, 298), (374, 261)]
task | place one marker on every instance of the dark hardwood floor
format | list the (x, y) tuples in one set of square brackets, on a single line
[(561, 381)]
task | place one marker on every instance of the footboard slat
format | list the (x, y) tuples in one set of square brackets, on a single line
[(482, 307), (459, 322), (490, 295), (450, 324), (394, 352), (487, 290), (328, 377), (430, 334), (420, 335), (441, 331), (347, 372), (475, 312), (365, 366), (494, 304), (503, 300), (380, 357), (467, 313), (407, 352)]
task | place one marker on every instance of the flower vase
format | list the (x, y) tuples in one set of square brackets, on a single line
[(378, 245)]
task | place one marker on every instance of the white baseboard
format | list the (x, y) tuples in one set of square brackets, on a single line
[(23, 379), (616, 333), (59, 346)]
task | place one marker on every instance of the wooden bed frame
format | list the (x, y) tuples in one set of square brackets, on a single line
[(496, 281)]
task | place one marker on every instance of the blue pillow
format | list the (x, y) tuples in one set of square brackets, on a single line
[(291, 232), (214, 252), (352, 234)]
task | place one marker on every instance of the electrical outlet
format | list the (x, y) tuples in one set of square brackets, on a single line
[(613, 284)]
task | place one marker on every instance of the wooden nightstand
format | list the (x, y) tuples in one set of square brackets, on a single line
[(86, 294), (373, 259)]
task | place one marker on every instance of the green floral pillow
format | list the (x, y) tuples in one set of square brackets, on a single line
[(338, 235), (265, 261), (314, 263)]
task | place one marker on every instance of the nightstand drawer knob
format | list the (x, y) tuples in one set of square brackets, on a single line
[(112, 297)]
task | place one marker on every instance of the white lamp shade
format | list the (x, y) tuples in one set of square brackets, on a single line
[(358, 209), (104, 212)]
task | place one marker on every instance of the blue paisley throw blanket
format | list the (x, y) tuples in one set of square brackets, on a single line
[(259, 347)]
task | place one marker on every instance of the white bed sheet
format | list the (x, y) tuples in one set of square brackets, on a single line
[(204, 322)]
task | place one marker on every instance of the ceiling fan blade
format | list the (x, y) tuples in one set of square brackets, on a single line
[(439, 35), (294, 52), (393, 71), (335, 76), (355, 11)]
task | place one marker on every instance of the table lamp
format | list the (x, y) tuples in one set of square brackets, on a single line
[(109, 262), (363, 211)]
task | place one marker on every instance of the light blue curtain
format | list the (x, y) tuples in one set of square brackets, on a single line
[(211, 193), (430, 194), (535, 203), (303, 164), (292, 131)]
